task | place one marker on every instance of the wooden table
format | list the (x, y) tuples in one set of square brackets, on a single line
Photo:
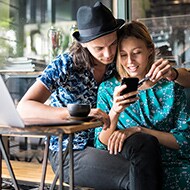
[(47, 131)]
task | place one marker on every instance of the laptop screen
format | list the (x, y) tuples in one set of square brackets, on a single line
[(8, 113), (9, 116)]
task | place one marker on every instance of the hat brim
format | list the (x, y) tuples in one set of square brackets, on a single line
[(81, 39)]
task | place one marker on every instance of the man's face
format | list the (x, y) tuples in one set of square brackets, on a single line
[(104, 48)]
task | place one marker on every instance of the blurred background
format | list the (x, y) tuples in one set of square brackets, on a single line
[(28, 28)]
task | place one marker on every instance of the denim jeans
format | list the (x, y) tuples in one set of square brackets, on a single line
[(137, 167)]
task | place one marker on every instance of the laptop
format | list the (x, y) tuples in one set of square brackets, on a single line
[(10, 117)]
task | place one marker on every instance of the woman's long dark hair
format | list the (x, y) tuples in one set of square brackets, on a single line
[(81, 56)]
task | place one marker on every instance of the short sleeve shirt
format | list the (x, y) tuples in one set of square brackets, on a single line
[(69, 85)]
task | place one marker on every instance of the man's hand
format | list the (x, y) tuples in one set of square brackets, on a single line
[(98, 113), (161, 69)]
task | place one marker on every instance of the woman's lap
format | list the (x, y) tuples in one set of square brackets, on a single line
[(97, 168), (100, 170)]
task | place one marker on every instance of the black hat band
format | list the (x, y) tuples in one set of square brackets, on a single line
[(97, 29)]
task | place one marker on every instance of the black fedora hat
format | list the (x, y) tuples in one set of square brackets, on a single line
[(94, 22)]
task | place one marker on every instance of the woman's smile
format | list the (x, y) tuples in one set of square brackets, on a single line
[(132, 68)]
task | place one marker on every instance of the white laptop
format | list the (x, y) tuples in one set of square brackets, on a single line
[(10, 117)]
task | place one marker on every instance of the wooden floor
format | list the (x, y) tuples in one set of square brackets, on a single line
[(28, 171), (29, 174), (27, 167)]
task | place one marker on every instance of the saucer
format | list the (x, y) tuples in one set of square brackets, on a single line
[(89, 118)]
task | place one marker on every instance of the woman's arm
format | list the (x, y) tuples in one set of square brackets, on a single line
[(164, 138), (120, 102), (105, 134), (178, 136)]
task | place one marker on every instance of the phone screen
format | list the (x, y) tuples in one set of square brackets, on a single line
[(132, 84)]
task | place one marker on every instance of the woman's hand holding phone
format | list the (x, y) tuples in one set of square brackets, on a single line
[(125, 95)]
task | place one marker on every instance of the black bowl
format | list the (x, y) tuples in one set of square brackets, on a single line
[(78, 110)]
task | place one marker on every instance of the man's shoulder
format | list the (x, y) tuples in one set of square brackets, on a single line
[(64, 58), (62, 62), (111, 82)]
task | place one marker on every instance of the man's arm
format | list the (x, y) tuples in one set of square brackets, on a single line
[(183, 77)]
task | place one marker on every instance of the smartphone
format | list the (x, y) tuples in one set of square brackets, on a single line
[(132, 85)]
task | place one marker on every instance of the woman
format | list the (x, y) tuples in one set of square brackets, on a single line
[(160, 110)]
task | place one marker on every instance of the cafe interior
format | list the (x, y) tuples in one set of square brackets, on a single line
[(33, 32)]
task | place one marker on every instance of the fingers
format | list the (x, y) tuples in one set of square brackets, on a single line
[(120, 102), (119, 89), (117, 139), (122, 140), (102, 116), (126, 99), (106, 122), (129, 97), (115, 142), (159, 69), (171, 75)]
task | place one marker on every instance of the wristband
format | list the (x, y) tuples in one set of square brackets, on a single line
[(177, 74)]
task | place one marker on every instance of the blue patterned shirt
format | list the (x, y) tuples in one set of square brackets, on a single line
[(163, 108), (69, 85)]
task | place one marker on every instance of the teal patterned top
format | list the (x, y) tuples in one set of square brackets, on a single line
[(162, 107)]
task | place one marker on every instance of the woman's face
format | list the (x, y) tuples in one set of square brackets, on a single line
[(134, 56), (104, 48)]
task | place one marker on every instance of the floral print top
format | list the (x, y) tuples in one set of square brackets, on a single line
[(162, 107), (69, 85)]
